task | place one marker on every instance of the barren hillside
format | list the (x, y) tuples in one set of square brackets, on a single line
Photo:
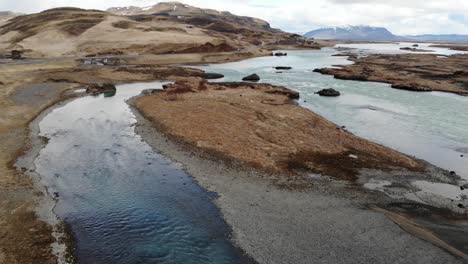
[(160, 29)]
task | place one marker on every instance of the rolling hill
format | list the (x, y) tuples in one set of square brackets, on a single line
[(161, 29)]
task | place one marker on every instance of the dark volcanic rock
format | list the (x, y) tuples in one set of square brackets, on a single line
[(106, 88), (209, 75), (283, 68), (16, 55), (279, 54), (252, 78), (329, 92)]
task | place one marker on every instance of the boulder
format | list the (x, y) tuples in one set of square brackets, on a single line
[(280, 54), (415, 45), (252, 78), (329, 92), (283, 68), (210, 75)]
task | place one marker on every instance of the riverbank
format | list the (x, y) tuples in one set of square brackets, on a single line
[(412, 72), (26, 90), (328, 222), (262, 201)]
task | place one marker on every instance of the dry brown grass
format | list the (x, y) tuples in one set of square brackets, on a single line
[(79, 26), (123, 24)]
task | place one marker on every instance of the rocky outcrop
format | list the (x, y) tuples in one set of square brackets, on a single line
[(329, 92), (283, 68), (252, 78)]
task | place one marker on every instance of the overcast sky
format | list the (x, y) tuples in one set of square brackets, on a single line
[(399, 16)]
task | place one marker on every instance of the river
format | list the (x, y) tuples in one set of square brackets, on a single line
[(432, 126), (126, 203)]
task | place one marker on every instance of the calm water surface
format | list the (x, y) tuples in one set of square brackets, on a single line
[(124, 202), (432, 126)]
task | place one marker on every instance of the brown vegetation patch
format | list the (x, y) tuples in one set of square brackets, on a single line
[(79, 26), (345, 165), (165, 29), (251, 124), (222, 26), (413, 72), (123, 24), (208, 47)]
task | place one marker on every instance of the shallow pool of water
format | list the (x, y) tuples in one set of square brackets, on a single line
[(124, 202), (431, 126)]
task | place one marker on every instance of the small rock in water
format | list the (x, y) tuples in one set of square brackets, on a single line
[(329, 92), (56, 194), (462, 156), (461, 206), (283, 68), (462, 188), (252, 78), (279, 54)]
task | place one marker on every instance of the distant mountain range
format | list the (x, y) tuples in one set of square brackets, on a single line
[(352, 33), (367, 33)]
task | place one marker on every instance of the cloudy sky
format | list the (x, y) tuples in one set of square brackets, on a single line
[(399, 16)]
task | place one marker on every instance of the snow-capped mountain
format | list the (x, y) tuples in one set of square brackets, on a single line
[(353, 33)]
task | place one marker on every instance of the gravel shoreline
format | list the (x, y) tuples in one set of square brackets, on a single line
[(330, 223)]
